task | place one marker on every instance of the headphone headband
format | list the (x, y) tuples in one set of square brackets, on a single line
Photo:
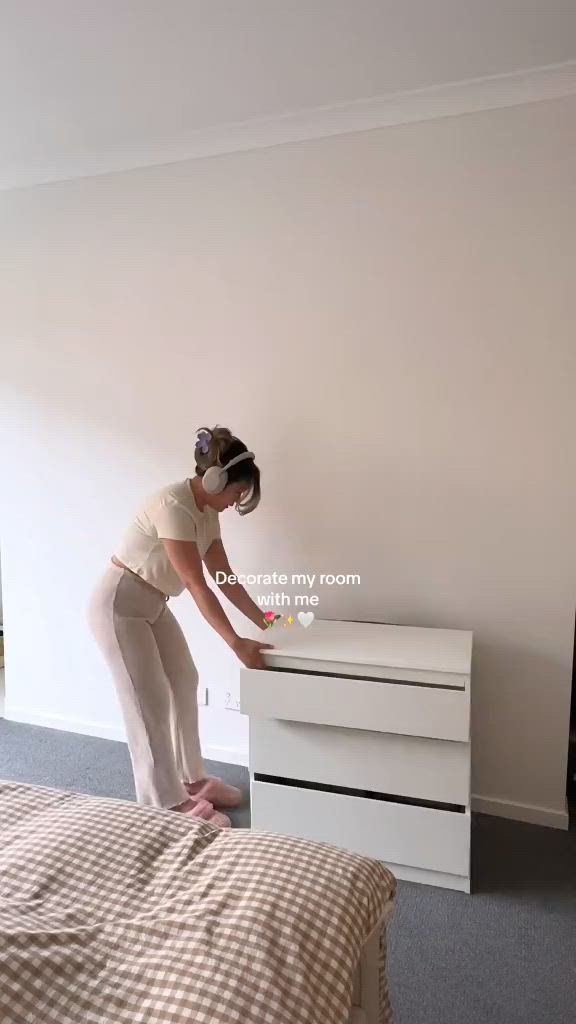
[(238, 458)]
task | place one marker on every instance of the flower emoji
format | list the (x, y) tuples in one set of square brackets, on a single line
[(270, 618)]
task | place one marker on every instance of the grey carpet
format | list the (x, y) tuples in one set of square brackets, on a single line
[(83, 764), (506, 955)]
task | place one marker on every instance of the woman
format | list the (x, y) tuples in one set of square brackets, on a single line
[(156, 679)]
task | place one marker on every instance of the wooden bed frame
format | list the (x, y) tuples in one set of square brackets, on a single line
[(366, 998)]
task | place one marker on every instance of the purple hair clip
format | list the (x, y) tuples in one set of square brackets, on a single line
[(204, 441)]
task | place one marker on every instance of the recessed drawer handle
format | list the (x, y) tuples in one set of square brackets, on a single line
[(366, 794), (366, 679)]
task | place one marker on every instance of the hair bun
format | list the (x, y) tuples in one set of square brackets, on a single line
[(211, 446), (222, 438)]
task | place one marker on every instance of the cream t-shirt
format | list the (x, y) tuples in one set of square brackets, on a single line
[(171, 514)]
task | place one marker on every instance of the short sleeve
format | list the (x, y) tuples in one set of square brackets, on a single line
[(174, 522)]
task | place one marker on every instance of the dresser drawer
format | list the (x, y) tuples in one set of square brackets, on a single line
[(397, 834), (405, 766), (375, 705)]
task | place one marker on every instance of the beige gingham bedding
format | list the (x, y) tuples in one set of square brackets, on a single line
[(112, 913)]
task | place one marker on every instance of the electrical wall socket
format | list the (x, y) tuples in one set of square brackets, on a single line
[(231, 701), (202, 696)]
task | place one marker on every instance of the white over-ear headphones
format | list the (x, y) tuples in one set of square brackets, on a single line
[(215, 478)]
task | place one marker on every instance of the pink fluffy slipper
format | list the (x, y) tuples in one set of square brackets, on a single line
[(203, 809), (216, 791)]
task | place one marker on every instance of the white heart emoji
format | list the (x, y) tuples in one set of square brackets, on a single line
[(305, 619)]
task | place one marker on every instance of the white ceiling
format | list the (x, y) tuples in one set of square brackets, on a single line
[(87, 87)]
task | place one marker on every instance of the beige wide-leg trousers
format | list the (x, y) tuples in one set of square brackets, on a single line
[(156, 681)]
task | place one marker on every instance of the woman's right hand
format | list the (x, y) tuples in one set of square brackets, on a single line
[(249, 652)]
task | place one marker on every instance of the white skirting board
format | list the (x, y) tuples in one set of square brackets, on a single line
[(528, 813), (106, 731), (226, 755), (101, 730)]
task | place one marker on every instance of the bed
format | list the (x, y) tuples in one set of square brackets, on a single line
[(111, 913)]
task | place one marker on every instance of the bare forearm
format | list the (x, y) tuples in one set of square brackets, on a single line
[(241, 600), (210, 607)]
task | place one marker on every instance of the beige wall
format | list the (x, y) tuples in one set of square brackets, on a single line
[(388, 319)]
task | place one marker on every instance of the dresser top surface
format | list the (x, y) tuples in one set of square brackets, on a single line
[(329, 641)]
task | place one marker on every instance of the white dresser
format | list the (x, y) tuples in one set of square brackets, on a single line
[(360, 737)]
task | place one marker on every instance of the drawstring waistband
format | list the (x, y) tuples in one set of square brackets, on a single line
[(120, 565)]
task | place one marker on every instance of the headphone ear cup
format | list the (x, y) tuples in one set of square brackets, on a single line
[(214, 480)]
